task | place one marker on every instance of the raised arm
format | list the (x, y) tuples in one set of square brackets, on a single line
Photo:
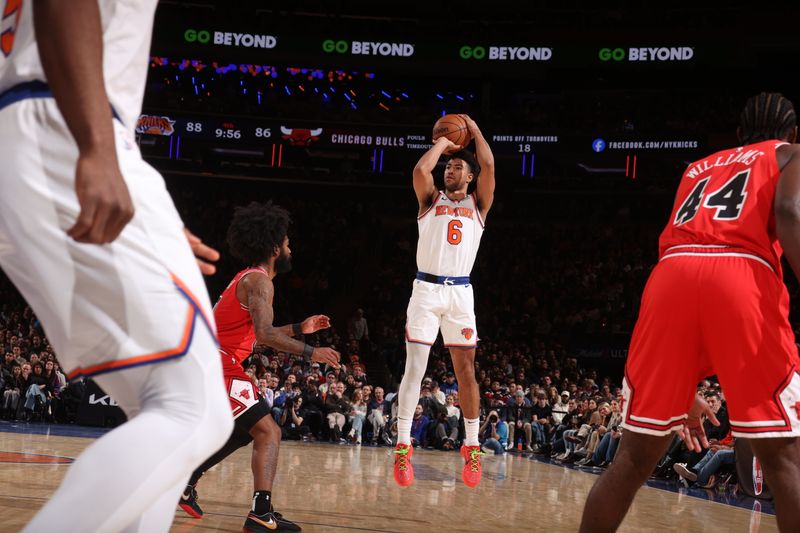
[(424, 187), (787, 204), (257, 294), (484, 187), (70, 42)]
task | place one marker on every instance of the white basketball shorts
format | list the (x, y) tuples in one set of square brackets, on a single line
[(450, 308), (103, 307)]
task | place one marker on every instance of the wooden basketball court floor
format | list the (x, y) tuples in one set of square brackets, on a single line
[(326, 487)]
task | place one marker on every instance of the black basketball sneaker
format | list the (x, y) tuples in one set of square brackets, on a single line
[(268, 523)]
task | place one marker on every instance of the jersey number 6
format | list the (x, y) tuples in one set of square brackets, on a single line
[(8, 27), (454, 231)]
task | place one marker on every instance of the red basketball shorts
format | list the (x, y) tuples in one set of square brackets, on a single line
[(705, 315), (242, 392)]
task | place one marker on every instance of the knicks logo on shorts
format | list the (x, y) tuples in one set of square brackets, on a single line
[(8, 25), (467, 333)]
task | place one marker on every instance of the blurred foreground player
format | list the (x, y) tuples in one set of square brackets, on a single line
[(258, 237), (450, 228), (91, 238), (716, 304)]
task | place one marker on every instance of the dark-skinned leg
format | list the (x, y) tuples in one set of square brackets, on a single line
[(266, 444), (613, 492), (780, 459), (235, 441)]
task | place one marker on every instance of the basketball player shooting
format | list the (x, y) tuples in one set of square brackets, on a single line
[(450, 225), (716, 304), (258, 237)]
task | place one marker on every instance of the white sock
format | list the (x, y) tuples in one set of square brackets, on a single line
[(403, 430), (408, 396), (471, 426)]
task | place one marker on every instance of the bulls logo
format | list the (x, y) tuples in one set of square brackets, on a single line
[(152, 125), (467, 333), (244, 393), (8, 25), (758, 477), (300, 136)]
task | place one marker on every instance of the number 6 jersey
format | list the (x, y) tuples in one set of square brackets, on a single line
[(449, 236), (724, 205)]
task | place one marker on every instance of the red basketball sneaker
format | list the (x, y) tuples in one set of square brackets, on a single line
[(472, 471), (403, 469)]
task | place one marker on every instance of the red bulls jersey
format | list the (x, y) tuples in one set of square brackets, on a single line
[(235, 329), (725, 204)]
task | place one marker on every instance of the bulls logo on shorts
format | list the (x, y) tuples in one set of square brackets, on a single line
[(242, 394)]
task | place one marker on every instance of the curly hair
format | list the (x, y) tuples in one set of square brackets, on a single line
[(256, 230), (767, 116)]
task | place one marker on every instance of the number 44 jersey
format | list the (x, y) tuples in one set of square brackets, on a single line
[(725, 205)]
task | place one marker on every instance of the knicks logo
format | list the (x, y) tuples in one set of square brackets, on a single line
[(8, 25), (467, 333), (152, 125)]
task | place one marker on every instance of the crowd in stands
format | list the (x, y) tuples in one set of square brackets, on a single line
[(32, 384), (546, 283)]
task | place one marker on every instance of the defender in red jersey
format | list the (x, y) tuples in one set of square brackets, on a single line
[(716, 304), (244, 314)]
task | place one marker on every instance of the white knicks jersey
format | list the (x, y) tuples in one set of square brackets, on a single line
[(127, 27), (449, 236)]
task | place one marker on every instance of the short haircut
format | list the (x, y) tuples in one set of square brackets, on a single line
[(469, 159), (767, 116)]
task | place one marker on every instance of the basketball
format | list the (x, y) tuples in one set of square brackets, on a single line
[(454, 128)]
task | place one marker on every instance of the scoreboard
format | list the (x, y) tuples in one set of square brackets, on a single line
[(395, 148), (253, 131)]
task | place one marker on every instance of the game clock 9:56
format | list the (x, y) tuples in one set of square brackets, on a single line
[(221, 133)]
